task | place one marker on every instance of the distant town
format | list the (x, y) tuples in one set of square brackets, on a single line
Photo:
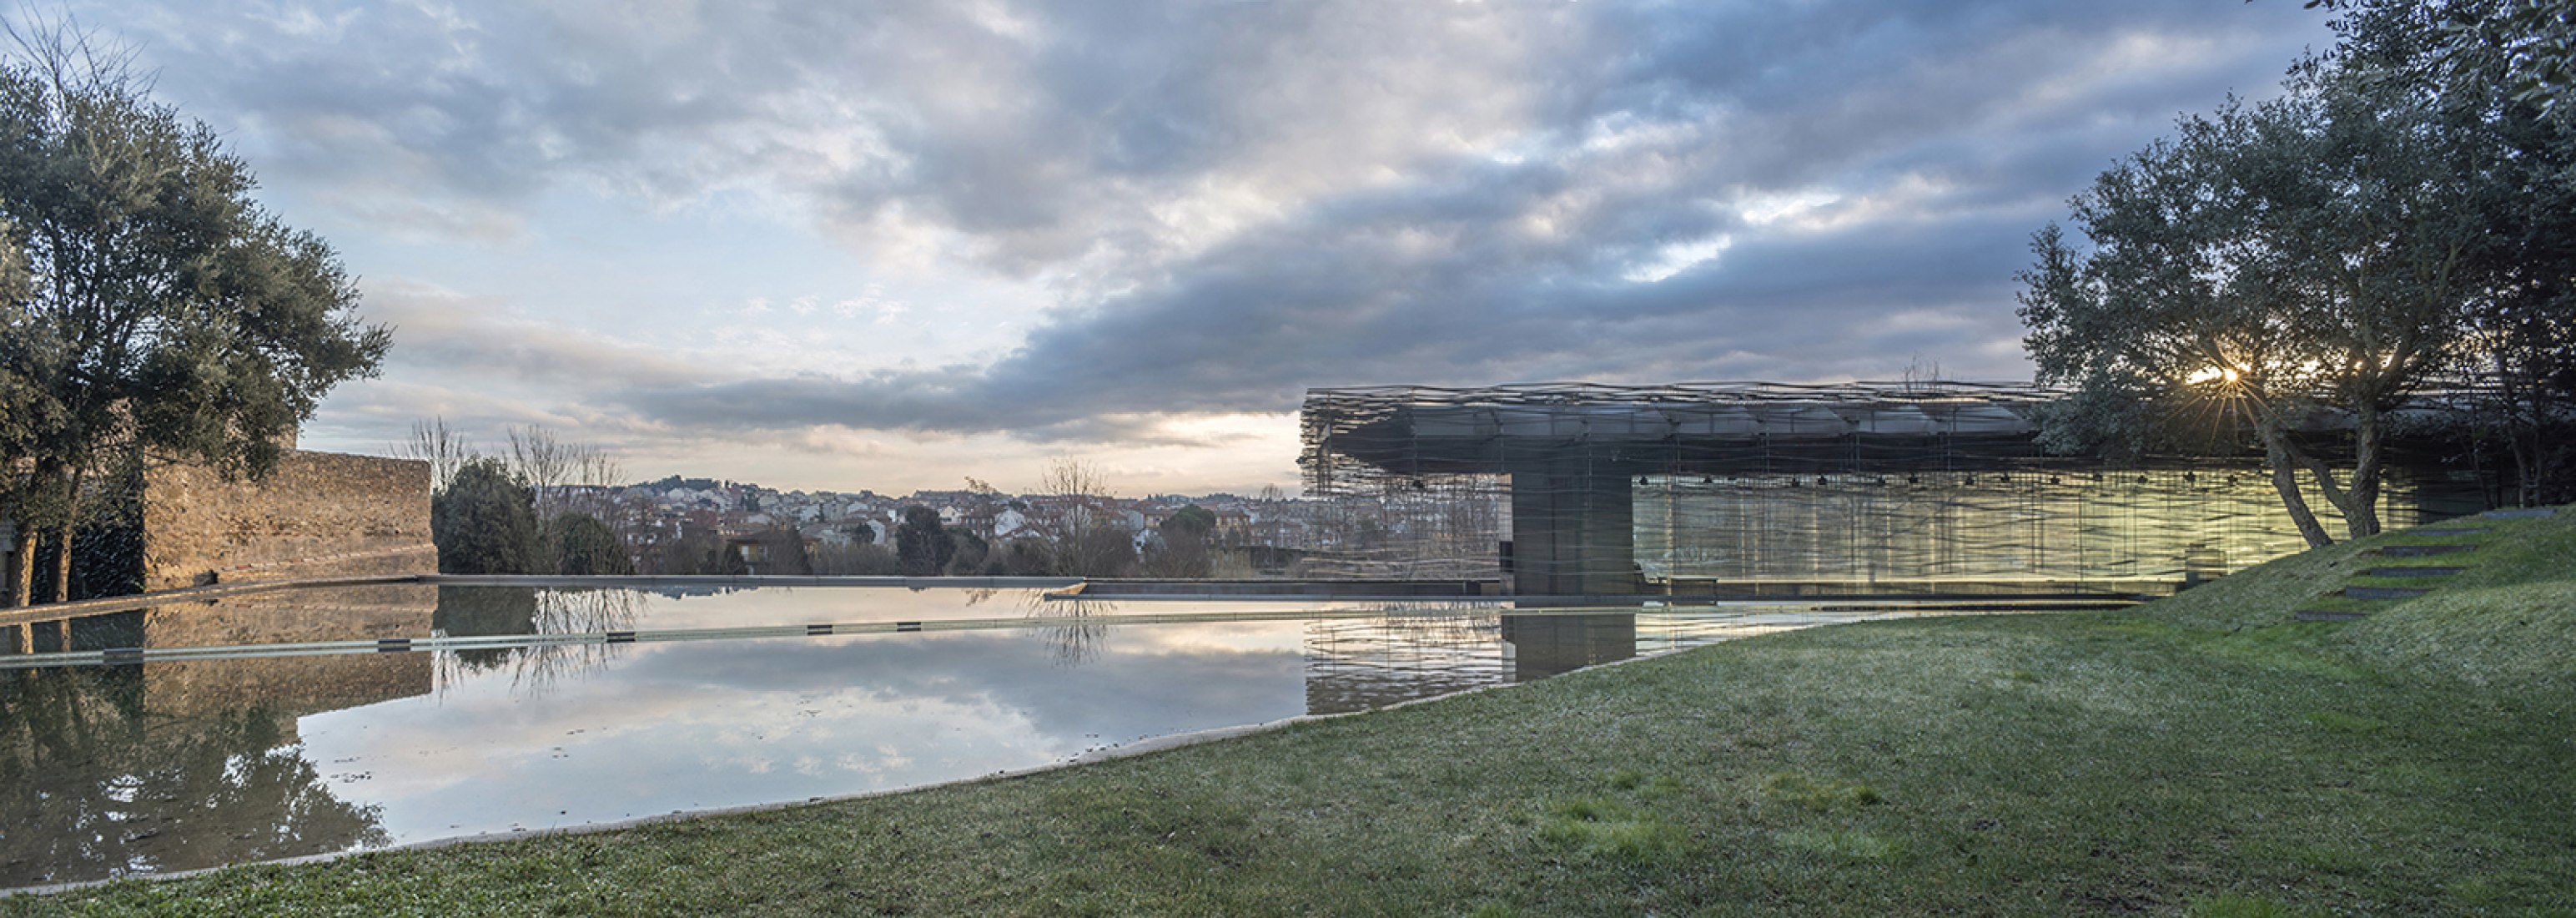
[(671, 524)]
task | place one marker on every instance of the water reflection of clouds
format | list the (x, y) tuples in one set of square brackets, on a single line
[(655, 727), (680, 726)]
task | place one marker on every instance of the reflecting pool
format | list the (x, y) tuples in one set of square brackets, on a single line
[(282, 747)]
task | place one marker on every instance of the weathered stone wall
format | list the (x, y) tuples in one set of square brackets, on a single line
[(317, 515)]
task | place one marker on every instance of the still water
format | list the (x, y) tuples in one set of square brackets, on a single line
[(280, 752)]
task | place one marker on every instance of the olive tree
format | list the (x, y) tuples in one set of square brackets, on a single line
[(2501, 70), (164, 314), (2525, 48), (2284, 265)]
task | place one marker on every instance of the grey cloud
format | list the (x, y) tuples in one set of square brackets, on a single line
[(469, 336), (1283, 195)]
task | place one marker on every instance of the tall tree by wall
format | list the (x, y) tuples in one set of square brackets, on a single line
[(166, 314), (486, 523)]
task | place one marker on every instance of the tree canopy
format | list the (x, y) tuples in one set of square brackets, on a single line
[(2272, 263), (2525, 48), (922, 543), (153, 309), (485, 522), (2499, 69), (581, 545)]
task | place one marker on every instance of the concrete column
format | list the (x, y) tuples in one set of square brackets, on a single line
[(1573, 528)]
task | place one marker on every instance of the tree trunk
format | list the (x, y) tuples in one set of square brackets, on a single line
[(22, 566), (63, 538), (2285, 481), (2360, 503), (22, 569)]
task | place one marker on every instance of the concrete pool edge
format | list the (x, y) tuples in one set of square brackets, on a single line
[(1146, 746)]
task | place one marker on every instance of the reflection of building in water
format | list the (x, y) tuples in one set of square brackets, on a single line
[(1548, 645), (1360, 663), (107, 770), (1357, 664)]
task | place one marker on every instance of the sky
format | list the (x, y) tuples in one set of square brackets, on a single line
[(824, 245)]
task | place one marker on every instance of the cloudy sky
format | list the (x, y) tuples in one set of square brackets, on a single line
[(821, 244)]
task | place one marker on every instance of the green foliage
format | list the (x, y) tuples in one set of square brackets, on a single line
[(856, 560), (2523, 51), (2272, 260), (922, 543), (1096, 548), (149, 307), (202, 327), (1027, 558), (1192, 521), (485, 522), (2487, 64), (580, 545), (1179, 549), (967, 554)]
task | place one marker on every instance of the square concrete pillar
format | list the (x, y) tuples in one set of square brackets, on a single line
[(1573, 529)]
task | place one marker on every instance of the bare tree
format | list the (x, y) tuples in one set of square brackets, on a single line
[(596, 471), (1086, 543), (539, 459), (1076, 486), (445, 450)]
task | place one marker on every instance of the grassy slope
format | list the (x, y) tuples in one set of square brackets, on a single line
[(2198, 755)]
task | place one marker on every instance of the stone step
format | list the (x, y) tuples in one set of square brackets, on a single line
[(2412, 571), (2362, 592), (2444, 531), (2419, 551), (2522, 513), (2329, 615)]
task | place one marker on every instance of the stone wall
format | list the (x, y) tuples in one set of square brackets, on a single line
[(317, 515)]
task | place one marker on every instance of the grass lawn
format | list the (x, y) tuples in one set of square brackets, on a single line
[(2202, 755)]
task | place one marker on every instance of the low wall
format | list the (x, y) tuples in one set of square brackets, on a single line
[(317, 515)]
